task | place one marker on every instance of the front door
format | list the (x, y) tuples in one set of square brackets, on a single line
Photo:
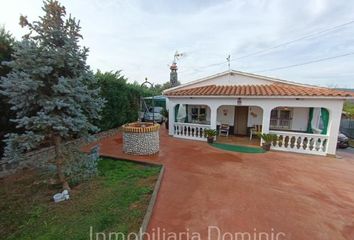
[(241, 118)]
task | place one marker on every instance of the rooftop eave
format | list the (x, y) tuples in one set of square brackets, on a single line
[(252, 75), (272, 97)]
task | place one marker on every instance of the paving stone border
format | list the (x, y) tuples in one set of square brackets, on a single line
[(150, 208)]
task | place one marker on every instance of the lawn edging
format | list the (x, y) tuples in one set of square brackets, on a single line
[(151, 205)]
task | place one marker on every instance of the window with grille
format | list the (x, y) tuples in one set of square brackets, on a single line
[(280, 118), (198, 113)]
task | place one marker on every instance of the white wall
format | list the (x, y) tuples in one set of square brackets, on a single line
[(300, 119), (230, 79), (255, 116), (253, 119), (229, 118)]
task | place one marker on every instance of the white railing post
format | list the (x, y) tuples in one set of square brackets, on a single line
[(300, 142), (190, 131)]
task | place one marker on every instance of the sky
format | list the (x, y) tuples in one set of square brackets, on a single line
[(140, 37)]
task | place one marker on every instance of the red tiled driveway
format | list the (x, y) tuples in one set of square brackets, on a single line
[(302, 196)]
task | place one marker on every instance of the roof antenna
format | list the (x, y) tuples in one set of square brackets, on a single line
[(177, 56), (228, 61)]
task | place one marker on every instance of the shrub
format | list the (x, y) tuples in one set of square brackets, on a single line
[(122, 99), (210, 132), (267, 137), (78, 167)]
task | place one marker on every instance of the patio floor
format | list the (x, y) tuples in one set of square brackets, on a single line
[(302, 196), (239, 140)]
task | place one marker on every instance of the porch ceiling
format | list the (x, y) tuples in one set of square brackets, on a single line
[(275, 89)]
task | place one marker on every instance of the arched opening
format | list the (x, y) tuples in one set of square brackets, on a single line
[(192, 113), (191, 120), (300, 129), (195, 114), (242, 122), (300, 119)]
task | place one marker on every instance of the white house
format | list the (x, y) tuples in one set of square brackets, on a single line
[(306, 118)]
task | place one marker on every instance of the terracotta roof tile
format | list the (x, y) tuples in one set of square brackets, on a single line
[(275, 89)]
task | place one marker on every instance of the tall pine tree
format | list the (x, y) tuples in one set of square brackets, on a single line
[(6, 49), (50, 87)]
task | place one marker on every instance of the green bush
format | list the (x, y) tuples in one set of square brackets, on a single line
[(210, 132), (164, 112), (349, 108), (267, 137), (78, 166), (122, 99)]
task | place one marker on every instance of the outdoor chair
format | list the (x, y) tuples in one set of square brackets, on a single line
[(255, 130), (224, 130)]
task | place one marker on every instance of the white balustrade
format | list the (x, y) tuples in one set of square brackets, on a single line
[(300, 142), (190, 131)]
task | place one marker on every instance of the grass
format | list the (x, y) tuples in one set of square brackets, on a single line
[(116, 200), (351, 143)]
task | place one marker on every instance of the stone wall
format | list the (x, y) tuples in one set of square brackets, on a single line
[(141, 143), (141, 138), (39, 158)]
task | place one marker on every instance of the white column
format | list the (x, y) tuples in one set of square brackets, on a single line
[(213, 116), (171, 117), (333, 129), (265, 120)]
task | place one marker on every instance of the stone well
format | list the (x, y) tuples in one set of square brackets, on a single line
[(141, 138)]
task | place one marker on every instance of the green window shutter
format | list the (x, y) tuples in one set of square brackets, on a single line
[(325, 120), (309, 124)]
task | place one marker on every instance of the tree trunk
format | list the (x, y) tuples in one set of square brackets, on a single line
[(59, 162)]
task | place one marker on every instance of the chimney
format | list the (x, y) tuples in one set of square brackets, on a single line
[(173, 75)]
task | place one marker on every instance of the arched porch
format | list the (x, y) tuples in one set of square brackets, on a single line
[(300, 129), (281, 122), (243, 123), (190, 120)]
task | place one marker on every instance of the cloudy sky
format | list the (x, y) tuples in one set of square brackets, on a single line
[(140, 37)]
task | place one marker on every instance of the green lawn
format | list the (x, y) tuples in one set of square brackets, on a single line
[(351, 142), (116, 200)]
